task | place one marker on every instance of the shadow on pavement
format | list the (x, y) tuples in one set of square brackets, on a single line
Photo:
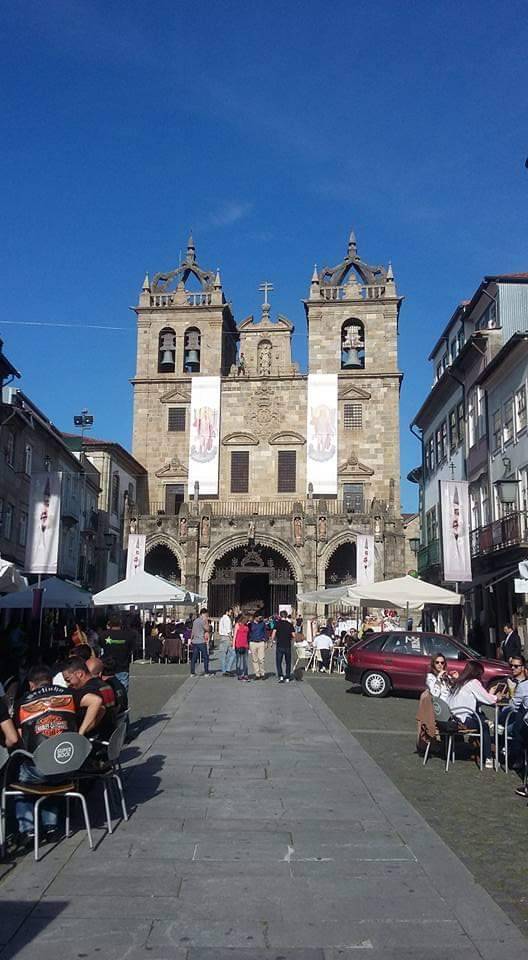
[(18, 929)]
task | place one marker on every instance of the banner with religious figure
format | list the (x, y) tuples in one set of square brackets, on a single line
[(364, 558), (454, 505), (204, 434), (42, 544), (135, 554), (321, 433)]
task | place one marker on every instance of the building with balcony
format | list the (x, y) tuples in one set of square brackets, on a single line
[(468, 426), (30, 444), (260, 477)]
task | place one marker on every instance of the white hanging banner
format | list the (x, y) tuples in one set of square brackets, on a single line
[(321, 433), (42, 545), (364, 559), (454, 503), (135, 554), (204, 434)]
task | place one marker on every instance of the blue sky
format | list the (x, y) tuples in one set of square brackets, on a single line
[(270, 128)]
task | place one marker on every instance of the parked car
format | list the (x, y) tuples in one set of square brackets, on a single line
[(399, 660)]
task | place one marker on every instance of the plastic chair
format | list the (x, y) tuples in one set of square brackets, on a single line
[(449, 727), (304, 655), (63, 754), (112, 772)]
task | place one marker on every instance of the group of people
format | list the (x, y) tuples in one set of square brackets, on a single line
[(86, 693), (242, 637), (466, 696)]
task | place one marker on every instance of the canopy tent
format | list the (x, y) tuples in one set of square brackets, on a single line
[(145, 590), (327, 595), (405, 591), (11, 580), (56, 595)]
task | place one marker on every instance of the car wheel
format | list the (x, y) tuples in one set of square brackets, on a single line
[(374, 683)]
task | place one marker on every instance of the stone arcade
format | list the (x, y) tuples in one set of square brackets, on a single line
[(234, 506)]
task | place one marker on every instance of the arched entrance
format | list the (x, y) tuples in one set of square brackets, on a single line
[(342, 565), (162, 562), (257, 579)]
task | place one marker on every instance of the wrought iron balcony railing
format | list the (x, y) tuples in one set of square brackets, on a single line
[(429, 556), (509, 531)]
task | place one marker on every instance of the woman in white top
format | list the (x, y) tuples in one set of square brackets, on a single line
[(467, 693), (438, 681)]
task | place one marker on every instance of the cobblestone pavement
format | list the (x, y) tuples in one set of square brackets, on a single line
[(261, 830), (477, 814)]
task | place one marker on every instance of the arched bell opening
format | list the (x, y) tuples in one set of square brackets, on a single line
[(352, 345)]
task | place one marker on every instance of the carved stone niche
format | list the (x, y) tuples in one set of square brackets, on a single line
[(205, 531), (298, 530)]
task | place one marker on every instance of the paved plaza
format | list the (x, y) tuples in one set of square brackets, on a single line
[(261, 829)]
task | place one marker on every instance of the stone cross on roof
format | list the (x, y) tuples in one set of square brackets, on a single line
[(266, 287)]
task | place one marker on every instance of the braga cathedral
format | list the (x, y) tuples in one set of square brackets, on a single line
[(265, 481)]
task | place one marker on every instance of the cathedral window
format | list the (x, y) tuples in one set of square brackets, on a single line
[(191, 350), (353, 496), (176, 419), (352, 345), (167, 351), (287, 471), (240, 471), (353, 416), (10, 449), (264, 358)]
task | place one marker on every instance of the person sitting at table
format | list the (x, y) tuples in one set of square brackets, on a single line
[(438, 681), (95, 700), (516, 709), (323, 644), (466, 696)]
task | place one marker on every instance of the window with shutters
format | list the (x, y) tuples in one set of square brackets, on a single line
[(287, 471), (353, 496), (176, 422), (240, 471), (353, 416)]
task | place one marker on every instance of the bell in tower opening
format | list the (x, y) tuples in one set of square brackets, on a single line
[(191, 348), (167, 351), (352, 345)]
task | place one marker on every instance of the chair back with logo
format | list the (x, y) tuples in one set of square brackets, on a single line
[(445, 720), (65, 754)]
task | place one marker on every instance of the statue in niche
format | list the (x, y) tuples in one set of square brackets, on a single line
[(183, 527), (251, 531), (206, 525), (264, 358), (321, 526), (297, 530), (133, 525)]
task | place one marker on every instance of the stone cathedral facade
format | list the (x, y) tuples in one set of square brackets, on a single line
[(261, 478)]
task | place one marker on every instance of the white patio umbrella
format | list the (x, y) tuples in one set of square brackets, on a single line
[(402, 592), (326, 594), (11, 580), (57, 595), (144, 590)]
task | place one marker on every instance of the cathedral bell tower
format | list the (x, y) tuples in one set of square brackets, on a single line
[(352, 315)]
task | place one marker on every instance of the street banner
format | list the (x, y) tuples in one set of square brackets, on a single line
[(364, 559), (135, 554), (204, 434), (42, 546), (454, 505), (321, 433)]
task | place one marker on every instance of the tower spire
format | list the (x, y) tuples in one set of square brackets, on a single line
[(315, 275), (191, 249), (146, 283), (352, 245)]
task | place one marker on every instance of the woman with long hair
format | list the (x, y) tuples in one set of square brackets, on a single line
[(467, 694), (438, 681)]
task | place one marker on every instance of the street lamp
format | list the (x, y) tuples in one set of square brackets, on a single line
[(507, 486), (414, 544)]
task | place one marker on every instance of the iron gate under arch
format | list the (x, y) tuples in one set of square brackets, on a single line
[(256, 579)]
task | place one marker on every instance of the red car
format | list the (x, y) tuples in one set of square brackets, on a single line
[(399, 660)]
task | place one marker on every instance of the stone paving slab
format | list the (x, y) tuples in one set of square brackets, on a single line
[(260, 831)]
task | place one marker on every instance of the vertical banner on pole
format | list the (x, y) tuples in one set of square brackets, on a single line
[(364, 559), (321, 433), (135, 554), (454, 504), (204, 434), (42, 546)]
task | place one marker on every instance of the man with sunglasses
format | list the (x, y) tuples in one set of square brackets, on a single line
[(519, 704)]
